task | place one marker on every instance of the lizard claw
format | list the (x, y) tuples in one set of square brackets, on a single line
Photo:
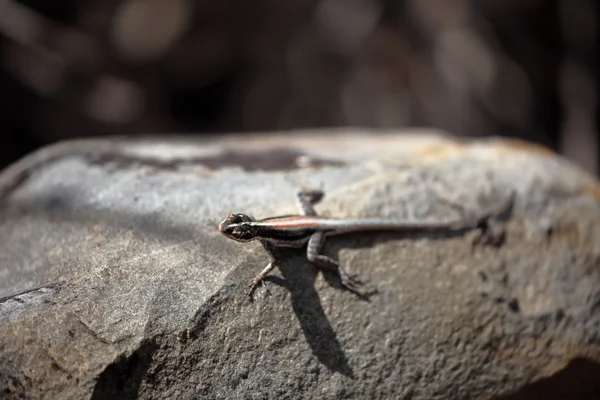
[(351, 283), (355, 280), (312, 195), (253, 283)]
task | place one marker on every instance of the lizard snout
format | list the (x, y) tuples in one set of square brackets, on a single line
[(223, 226)]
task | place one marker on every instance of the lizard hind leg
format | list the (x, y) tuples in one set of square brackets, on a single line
[(306, 199), (315, 243)]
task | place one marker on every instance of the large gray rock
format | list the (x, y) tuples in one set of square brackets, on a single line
[(115, 282)]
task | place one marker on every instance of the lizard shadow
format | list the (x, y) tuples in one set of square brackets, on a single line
[(299, 277)]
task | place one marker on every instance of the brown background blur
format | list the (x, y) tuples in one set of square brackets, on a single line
[(520, 68)]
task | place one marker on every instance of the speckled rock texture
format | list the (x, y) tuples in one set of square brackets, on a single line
[(115, 282)]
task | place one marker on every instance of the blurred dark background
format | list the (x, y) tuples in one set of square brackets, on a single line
[(78, 68)]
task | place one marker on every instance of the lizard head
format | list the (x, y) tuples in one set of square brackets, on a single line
[(238, 227)]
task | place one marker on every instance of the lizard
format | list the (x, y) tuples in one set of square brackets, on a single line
[(310, 230)]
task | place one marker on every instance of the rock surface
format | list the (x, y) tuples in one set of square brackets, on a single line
[(115, 282)]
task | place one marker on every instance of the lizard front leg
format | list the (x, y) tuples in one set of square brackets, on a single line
[(270, 248), (266, 271), (260, 277), (313, 250)]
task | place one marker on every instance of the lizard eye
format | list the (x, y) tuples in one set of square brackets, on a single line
[(234, 218), (237, 218)]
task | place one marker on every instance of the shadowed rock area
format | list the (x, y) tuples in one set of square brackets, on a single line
[(115, 282)]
